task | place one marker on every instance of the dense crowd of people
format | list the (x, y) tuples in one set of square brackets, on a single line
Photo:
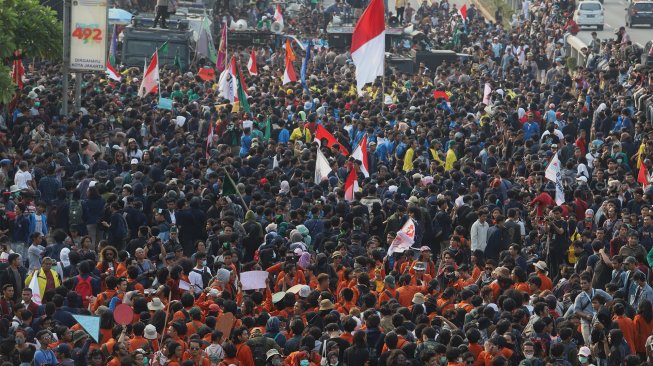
[(125, 203)]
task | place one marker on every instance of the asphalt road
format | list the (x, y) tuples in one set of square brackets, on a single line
[(615, 14), (615, 17)]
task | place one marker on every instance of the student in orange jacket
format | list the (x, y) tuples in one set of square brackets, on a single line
[(196, 354), (389, 290), (407, 291)]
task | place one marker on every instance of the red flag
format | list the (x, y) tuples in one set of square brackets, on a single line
[(642, 176), (290, 54), (322, 133), (17, 70), (351, 184), (368, 44), (463, 12), (440, 94), (251, 64), (206, 73)]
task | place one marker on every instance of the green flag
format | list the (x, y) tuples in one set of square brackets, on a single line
[(164, 48), (242, 97), (268, 132), (177, 61), (228, 185)]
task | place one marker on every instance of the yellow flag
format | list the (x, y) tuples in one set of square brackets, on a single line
[(640, 154), (571, 254)]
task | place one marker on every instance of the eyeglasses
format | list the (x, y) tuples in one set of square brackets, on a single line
[(488, 268), (194, 348), (469, 362)]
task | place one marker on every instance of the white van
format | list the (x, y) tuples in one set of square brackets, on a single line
[(589, 13)]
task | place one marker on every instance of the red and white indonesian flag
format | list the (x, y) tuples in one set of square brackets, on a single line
[(360, 153), (251, 64), (405, 238), (112, 73), (351, 185), (151, 78), (368, 44), (323, 133), (463, 12), (278, 17), (289, 74)]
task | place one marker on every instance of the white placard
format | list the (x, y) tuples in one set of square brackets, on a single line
[(253, 280), (88, 35)]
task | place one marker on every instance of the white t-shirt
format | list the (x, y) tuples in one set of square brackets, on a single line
[(21, 178)]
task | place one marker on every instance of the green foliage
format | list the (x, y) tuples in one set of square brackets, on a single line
[(29, 26)]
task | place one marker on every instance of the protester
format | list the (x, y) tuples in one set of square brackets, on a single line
[(495, 210)]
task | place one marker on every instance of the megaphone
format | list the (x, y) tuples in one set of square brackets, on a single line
[(276, 27), (241, 25), (336, 20), (409, 30)]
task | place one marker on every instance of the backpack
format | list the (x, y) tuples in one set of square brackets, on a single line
[(362, 291), (84, 289), (53, 212), (75, 214), (258, 352), (206, 276)]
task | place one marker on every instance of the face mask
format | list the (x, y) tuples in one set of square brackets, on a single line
[(529, 356), (303, 363), (443, 360), (583, 359), (276, 362), (20, 340), (204, 262), (335, 364)]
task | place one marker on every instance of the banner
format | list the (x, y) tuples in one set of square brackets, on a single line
[(553, 174), (91, 325), (88, 35)]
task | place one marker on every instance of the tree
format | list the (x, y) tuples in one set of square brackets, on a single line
[(31, 27)]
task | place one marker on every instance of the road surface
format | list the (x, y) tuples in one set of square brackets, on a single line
[(615, 17)]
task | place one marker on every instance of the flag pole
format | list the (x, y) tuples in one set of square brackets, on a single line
[(158, 82)]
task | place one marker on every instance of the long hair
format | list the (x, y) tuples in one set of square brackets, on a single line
[(645, 309)]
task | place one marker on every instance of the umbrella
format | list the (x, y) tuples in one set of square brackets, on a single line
[(119, 16)]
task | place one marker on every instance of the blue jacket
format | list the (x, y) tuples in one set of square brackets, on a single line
[(44, 224), (93, 209)]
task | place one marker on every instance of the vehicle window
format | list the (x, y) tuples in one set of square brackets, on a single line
[(644, 7), (590, 6)]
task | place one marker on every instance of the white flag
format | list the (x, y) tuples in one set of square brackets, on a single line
[(227, 87), (487, 90), (552, 173), (34, 286), (322, 168), (404, 239)]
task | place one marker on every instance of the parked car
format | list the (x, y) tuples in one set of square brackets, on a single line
[(589, 13), (639, 12)]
